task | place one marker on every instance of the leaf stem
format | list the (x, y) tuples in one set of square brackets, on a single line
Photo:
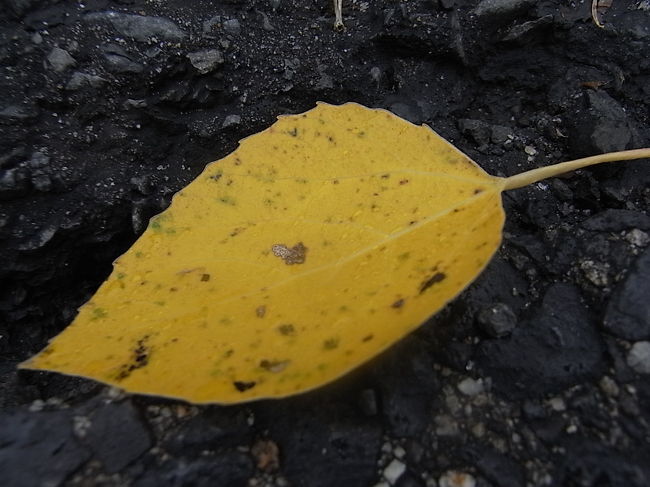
[(534, 175), (338, 13)]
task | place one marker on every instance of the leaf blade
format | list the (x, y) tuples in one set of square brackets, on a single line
[(267, 276)]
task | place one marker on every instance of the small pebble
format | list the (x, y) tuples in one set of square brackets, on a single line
[(557, 404), (637, 237), (471, 387), (497, 320), (638, 358), (394, 471), (231, 120), (608, 386), (453, 478)]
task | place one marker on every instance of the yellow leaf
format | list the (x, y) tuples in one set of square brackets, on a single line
[(314, 246)]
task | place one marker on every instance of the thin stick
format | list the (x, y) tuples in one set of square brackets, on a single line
[(530, 177), (594, 14), (338, 13)]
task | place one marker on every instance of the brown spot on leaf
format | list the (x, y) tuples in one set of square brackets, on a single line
[(398, 304), (274, 366), (290, 256), (436, 278), (403, 181), (260, 311), (478, 190), (243, 386), (205, 277), (367, 338), (287, 329), (331, 344)]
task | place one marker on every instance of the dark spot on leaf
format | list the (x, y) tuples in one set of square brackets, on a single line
[(331, 343), (139, 359), (205, 277), (478, 190), (398, 304), (274, 366), (287, 329), (385, 176), (403, 181), (243, 386), (260, 311), (367, 338), (437, 277), (216, 177), (293, 132)]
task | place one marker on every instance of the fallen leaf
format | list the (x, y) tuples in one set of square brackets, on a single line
[(316, 245)]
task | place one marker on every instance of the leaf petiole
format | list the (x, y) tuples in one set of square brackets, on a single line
[(535, 175)]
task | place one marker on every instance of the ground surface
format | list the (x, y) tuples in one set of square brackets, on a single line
[(536, 375)]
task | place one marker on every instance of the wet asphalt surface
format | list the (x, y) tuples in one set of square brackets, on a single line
[(538, 374)]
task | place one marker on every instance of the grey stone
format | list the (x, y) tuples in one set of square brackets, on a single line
[(119, 61), (211, 25), (497, 320), (226, 428), (121, 64), (232, 27), (639, 357), (471, 387), (139, 27), (628, 312), (635, 24), (38, 449), (231, 120), (615, 220), (117, 436), (42, 182), (500, 134), (206, 60), (40, 239), (478, 130), (60, 59), (500, 7), (17, 112), (79, 80), (20, 7), (376, 74), (558, 347), (266, 24), (232, 469), (131, 103), (598, 124), (13, 183), (523, 33), (39, 160)]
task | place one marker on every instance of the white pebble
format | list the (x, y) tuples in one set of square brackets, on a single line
[(394, 471), (453, 478)]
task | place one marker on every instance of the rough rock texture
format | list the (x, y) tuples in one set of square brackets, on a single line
[(535, 375)]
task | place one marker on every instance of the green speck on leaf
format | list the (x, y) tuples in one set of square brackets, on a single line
[(99, 313)]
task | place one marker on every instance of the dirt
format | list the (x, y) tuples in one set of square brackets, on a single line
[(538, 374)]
